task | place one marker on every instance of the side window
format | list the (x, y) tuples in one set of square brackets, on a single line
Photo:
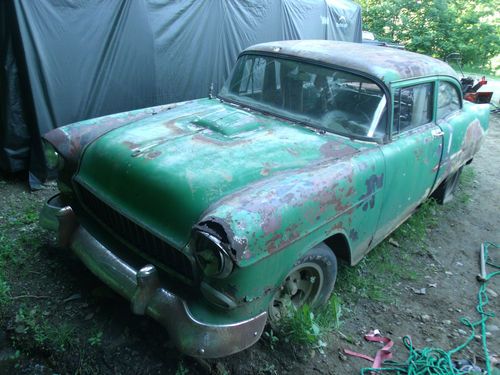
[(412, 107), (448, 100)]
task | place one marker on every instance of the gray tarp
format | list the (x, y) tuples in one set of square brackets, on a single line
[(69, 60)]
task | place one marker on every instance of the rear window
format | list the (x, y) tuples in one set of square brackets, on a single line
[(448, 100)]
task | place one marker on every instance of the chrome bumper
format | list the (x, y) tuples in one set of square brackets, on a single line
[(147, 296)]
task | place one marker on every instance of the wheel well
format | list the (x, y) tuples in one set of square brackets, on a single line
[(340, 247)]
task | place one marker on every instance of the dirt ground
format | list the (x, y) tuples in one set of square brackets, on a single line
[(56, 318)]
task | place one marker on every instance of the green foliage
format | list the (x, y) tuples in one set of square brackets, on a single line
[(267, 368), (415, 228), (6, 254), (271, 338), (181, 369), (32, 322), (438, 28), (329, 316), (18, 234), (301, 326), (4, 293), (463, 194), (364, 281), (96, 338), (310, 328)]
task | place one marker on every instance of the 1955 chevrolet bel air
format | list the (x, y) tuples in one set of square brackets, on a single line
[(211, 215)]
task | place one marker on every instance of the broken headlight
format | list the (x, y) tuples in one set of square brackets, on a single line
[(211, 256), (52, 158)]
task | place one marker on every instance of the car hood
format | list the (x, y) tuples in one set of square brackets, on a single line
[(165, 170)]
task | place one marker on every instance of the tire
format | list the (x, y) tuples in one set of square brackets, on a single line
[(310, 281), (444, 193)]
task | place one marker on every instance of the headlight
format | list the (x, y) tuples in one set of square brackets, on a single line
[(211, 256), (52, 158)]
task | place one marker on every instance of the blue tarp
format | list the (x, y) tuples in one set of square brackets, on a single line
[(68, 60)]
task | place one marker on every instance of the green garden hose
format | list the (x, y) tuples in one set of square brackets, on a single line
[(438, 361)]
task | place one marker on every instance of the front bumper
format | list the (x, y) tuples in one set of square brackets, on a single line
[(142, 287)]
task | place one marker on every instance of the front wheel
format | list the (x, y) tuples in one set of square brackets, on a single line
[(310, 281)]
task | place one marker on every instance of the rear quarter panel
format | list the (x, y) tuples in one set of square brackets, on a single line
[(465, 132)]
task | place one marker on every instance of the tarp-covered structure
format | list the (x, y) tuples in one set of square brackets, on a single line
[(67, 60)]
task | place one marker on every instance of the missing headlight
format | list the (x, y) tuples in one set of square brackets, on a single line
[(211, 256), (52, 158)]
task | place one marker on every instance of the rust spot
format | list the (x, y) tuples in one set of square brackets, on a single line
[(131, 145), (336, 150), (219, 142), (70, 140), (428, 140), (418, 153), (353, 235), (279, 241), (473, 138), (271, 244), (171, 125), (271, 223), (152, 155)]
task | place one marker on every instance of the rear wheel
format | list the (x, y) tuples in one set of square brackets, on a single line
[(310, 282), (444, 193)]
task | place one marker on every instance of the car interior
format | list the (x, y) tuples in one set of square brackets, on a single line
[(335, 100)]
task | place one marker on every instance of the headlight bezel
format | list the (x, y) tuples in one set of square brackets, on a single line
[(216, 251)]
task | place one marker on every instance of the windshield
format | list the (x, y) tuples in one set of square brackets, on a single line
[(334, 100)]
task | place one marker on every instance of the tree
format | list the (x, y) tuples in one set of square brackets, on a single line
[(438, 27)]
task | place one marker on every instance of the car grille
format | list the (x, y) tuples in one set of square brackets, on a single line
[(140, 238)]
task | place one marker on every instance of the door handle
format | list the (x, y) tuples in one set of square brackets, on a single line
[(437, 133)]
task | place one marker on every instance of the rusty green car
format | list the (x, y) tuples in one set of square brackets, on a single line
[(211, 215)]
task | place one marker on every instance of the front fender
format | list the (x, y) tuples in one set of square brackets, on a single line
[(312, 204), (270, 224)]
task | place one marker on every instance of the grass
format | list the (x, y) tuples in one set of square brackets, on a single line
[(267, 368), (19, 240), (415, 228), (181, 369), (33, 322), (307, 327), (19, 235), (7, 255), (5, 297), (376, 277), (395, 263), (96, 338)]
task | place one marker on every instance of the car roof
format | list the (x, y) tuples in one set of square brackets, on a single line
[(385, 63)]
